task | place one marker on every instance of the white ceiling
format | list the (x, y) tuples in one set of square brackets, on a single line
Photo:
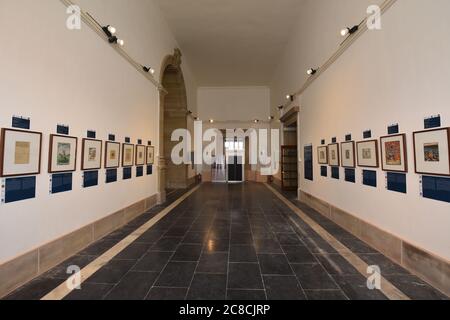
[(231, 42)]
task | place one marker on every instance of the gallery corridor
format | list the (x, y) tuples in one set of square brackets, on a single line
[(236, 242)]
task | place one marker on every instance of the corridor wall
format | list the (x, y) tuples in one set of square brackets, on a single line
[(58, 76)]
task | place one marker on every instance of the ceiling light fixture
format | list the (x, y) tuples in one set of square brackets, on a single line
[(256, 120), (347, 31), (311, 71), (290, 97), (271, 118), (109, 31), (149, 70), (211, 120)]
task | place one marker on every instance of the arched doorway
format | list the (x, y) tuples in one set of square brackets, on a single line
[(173, 115)]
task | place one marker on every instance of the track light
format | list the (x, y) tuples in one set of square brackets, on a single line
[(109, 31), (196, 118), (290, 97), (256, 121), (271, 118), (149, 70), (311, 71), (347, 31), (211, 121), (120, 42)]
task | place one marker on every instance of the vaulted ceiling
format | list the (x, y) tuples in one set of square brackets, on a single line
[(231, 42)]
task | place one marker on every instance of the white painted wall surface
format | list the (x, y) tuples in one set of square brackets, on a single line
[(399, 74), (54, 76), (234, 103)]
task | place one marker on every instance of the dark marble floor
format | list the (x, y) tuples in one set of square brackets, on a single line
[(231, 242)]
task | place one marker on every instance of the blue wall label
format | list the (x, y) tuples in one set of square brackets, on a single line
[(149, 170), (91, 134), (367, 134), (61, 129), (111, 175), (19, 189), (396, 182), (432, 122), (324, 171), (394, 129), (335, 173), (21, 123), (127, 173), (370, 178), (90, 179), (127, 140), (61, 182), (350, 175), (139, 171), (309, 173), (112, 137), (436, 188), (348, 137)]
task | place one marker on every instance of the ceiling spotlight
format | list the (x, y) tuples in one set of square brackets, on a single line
[(196, 118), (149, 70), (271, 118), (311, 71), (211, 121), (256, 120), (120, 42), (347, 31), (109, 30)]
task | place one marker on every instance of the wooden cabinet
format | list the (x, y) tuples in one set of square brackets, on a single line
[(289, 167)]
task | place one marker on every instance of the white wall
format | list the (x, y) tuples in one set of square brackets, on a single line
[(234, 103), (54, 76), (399, 74)]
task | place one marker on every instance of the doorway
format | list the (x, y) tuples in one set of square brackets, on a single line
[(173, 115)]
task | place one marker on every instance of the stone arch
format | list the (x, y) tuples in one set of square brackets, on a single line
[(173, 115)]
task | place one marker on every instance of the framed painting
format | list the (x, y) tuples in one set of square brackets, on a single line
[(62, 154), (348, 159), (333, 155), (20, 153), (91, 154), (367, 152), (432, 152), (127, 155), (393, 153), (140, 155), (150, 155), (112, 155), (322, 154)]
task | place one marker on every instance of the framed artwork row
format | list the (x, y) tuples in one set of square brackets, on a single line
[(21, 154), (431, 153)]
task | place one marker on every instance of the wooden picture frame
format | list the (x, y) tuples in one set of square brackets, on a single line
[(334, 161), (150, 160), (398, 155), (140, 161), (108, 145), (128, 161), (84, 161), (5, 162), (374, 148), (67, 163), (352, 159), (322, 150), (442, 156)]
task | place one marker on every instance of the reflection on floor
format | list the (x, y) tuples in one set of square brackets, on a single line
[(229, 242)]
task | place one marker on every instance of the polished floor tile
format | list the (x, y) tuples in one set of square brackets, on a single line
[(234, 242)]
